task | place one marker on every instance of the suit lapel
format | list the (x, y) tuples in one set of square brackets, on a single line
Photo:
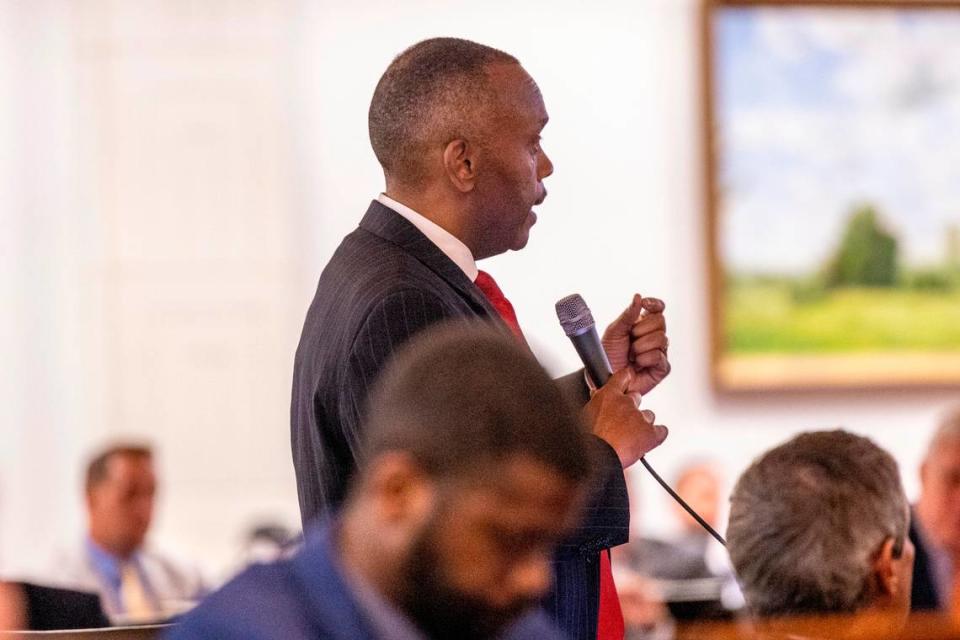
[(386, 223)]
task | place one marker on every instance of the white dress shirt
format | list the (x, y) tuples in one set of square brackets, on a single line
[(445, 241), (172, 586)]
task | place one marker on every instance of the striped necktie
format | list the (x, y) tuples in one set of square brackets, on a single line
[(133, 595)]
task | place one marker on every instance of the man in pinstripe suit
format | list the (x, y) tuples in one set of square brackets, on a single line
[(456, 127)]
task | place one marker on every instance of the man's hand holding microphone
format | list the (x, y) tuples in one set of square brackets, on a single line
[(635, 347)]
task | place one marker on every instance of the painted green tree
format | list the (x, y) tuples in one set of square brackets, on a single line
[(867, 255)]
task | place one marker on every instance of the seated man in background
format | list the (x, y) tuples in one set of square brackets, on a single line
[(687, 567), (135, 584), (12, 614), (474, 468), (935, 528), (683, 556), (819, 526)]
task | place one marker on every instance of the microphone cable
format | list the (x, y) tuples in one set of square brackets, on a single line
[(673, 494)]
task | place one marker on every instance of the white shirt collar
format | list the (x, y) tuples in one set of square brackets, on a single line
[(445, 241)]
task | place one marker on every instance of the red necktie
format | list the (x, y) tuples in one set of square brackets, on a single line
[(610, 620), (488, 286)]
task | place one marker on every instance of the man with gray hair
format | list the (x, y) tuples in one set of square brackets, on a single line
[(935, 529), (818, 526)]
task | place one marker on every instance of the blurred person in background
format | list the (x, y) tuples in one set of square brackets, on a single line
[(11, 607), (12, 614), (935, 528), (449, 527), (819, 526), (645, 614), (682, 556), (688, 569), (135, 584)]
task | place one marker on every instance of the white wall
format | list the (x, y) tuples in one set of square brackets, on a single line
[(178, 173), (157, 285), (624, 213)]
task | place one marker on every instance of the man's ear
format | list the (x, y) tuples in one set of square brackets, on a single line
[(894, 569), (460, 164), (402, 492)]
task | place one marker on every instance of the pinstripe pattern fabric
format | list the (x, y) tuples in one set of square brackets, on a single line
[(385, 283)]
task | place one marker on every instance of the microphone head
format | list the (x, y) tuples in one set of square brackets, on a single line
[(574, 315)]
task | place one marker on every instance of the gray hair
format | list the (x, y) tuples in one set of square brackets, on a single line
[(807, 519), (432, 93)]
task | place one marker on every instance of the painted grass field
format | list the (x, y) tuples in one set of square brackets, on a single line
[(766, 318)]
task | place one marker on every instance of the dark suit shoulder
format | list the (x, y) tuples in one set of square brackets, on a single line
[(366, 274), (262, 603), (373, 296), (377, 266)]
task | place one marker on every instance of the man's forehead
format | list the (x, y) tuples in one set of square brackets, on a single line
[(941, 441), (517, 91), (522, 480), (120, 465), (945, 453)]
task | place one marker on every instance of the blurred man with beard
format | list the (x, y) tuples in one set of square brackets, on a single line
[(449, 527)]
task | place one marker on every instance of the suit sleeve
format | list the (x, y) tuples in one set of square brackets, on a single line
[(574, 600), (392, 322), (606, 519), (573, 387)]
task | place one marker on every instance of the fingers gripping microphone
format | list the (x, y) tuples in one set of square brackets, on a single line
[(578, 324)]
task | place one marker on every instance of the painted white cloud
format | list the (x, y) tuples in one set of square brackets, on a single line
[(880, 124)]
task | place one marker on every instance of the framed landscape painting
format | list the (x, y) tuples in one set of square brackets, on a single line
[(833, 164)]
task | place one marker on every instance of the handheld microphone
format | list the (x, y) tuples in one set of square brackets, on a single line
[(578, 324)]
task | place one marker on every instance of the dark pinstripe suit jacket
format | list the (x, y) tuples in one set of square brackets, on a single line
[(385, 283)]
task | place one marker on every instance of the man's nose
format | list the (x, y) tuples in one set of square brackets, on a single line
[(544, 166)]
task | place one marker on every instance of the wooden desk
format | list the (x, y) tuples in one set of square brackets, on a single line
[(149, 632)]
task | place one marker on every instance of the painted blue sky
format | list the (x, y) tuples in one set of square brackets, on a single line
[(822, 109)]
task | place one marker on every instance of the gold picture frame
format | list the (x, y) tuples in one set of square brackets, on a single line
[(750, 351)]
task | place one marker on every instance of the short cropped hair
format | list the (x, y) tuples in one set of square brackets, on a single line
[(99, 466), (432, 93), (807, 519), (461, 396)]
